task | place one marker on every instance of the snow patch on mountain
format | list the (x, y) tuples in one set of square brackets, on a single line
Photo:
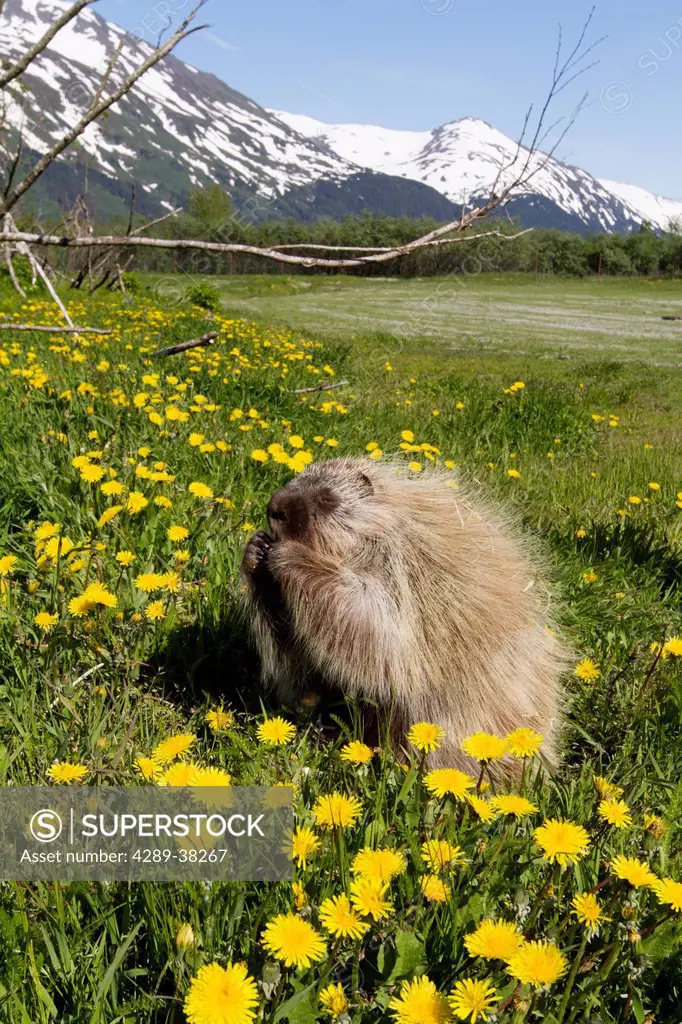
[(656, 210), (464, 159)]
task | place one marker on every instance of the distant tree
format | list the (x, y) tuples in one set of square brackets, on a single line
[(211, 206)]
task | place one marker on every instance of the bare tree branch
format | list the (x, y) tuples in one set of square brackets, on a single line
[(326, 386), (37, 270), (270, 253), (53, 330), (184, 346), (157, 220), (95, 111), (27, 58)]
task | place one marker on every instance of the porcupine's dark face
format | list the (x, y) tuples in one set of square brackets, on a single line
[(295, 510), (303, 507)]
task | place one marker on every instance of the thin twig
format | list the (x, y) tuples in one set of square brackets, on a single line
[(320, 387), (174, 350), (53, 330)]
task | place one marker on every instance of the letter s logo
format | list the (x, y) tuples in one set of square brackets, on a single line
[(46, 826)]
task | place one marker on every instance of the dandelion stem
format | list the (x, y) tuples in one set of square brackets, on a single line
[(571, 979)]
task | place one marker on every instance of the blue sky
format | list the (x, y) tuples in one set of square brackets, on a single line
[(418, 63)]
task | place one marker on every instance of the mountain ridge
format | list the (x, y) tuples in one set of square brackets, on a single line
[(461, 159), (182, 127)]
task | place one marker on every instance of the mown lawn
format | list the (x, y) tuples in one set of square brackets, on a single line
[(128, 487)]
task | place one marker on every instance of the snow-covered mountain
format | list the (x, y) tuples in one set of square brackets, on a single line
[(462, 159), (181, 127), (656, 210)]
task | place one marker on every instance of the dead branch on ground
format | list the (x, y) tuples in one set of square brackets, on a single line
[(184, 346)]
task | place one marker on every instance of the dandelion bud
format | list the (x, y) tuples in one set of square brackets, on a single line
[(634, 936), (185, 937), (628, 911)]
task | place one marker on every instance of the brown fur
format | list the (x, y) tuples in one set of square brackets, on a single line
[(407, 592)]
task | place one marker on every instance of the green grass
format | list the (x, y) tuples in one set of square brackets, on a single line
[(479, 313), (103, 688)]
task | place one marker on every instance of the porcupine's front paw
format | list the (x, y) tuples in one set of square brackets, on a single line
[(256, 551)]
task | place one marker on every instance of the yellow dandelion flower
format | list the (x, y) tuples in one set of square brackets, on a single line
[(199, 490), (67, 773), (46, 621), (177, 533), (356, 753), (46, 531), (634, 871), (408, 436), (211, 776), (294, 941), (513, 473), (155, 610), (305, 844), (218, 719), (335, 810), (607, 790), (484, 808), (590, 576), (125, 558), (586, 907), (108, 515), (670, 892), (616, 813), (494, 940), (340, 920), (655, 825), (472, 999), (674, 646), (449, 781), (511, 803), (174, 746), (91, 474), (181, 774), (562, 842), (170, 581), (587, 670), (379, 864), (434, 890), (258, 455), (368, 896), (7, 564), (538, 964), (222, 995), (136, 502), (147, 768), (524, 742), (95, 595), (485, 746), (333, 1000), (425, 736), (420, 1002), (439, 853), (276, 732), (148, 582)]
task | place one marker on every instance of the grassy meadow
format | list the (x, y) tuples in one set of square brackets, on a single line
[(128, 488)]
